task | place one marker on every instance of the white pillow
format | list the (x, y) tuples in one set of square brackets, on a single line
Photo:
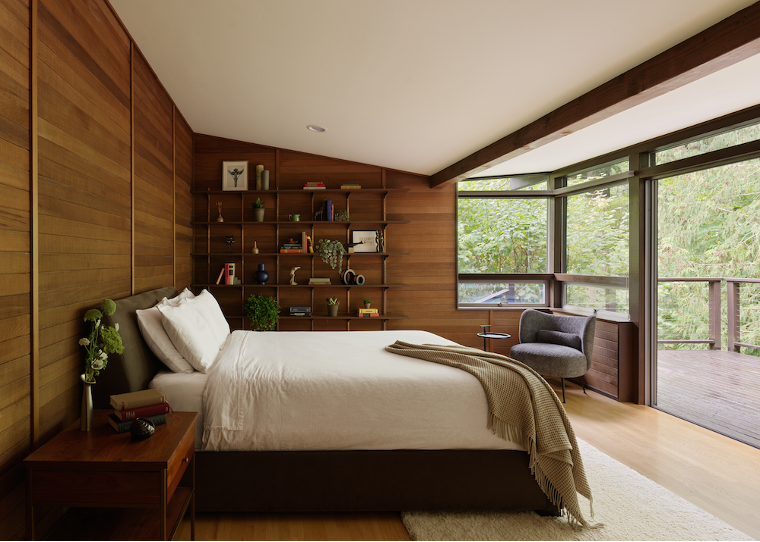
[(208, 307), (174, 301), (152, 328), (190, 334)]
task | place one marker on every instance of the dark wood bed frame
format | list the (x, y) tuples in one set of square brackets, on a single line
[(372, 480)]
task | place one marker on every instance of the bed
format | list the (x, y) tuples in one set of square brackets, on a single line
[(300, 479)]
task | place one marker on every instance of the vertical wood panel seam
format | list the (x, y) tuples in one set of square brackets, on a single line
[(132, 149), (34, 343), (174, 194)]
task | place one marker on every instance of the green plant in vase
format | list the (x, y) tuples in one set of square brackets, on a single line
[(367, 302), (332, 306), (101, 341), (258, 210), (262, 311), (331, 252)]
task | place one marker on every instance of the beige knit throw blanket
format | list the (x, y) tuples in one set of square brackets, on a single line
[(525, 410)]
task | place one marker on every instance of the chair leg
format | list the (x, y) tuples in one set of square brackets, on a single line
[(563, 390), (583, 385)]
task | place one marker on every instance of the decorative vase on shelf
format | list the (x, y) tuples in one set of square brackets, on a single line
[(332, 310), (265, 179), (85, 416), (259, 169), (261, 276), (367, 305), (258, 215), (255, 248)]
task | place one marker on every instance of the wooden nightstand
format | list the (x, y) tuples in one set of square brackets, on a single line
[(102, 468)]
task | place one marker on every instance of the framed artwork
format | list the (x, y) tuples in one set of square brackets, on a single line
[(235, 175), (367, 238)]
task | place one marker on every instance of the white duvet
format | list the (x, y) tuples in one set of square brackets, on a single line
[(339, 391)]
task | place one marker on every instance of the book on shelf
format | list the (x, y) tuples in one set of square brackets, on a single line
[(300, 313), (369, 315), (221, 276), (142, 412), (329, 210), (368, 311), (291, 251), (229, 273), (309, 245), (317, 282), (123, 426), (319, 279), (314, 183), (314, 188), (299, 309), (350, 186), (137, 399)]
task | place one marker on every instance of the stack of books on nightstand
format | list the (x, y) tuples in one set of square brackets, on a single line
[(368, 313), (148, 404)]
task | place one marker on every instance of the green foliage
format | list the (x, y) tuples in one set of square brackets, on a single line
[(101, 341), (331, 252), (262, 311), (333, 301), (258, 204), (502, 236), (708, 227), (367, 300)]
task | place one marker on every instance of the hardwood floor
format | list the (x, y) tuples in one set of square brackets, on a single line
[(716, 473)]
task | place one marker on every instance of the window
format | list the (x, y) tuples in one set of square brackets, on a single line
[(499, 235), (598, 172), (502, 235), (715, 142)]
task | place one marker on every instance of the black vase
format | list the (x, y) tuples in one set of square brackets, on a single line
[(261, 276)]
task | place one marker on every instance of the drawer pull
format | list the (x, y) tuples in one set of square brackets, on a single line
[(186, 460)]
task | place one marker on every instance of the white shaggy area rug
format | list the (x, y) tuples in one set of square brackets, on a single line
[(631, 506)]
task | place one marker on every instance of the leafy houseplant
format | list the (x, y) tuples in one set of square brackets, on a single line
[(367, 302), (102, 340), (258, 210), (262, 311), (332, 306), (331, 252)]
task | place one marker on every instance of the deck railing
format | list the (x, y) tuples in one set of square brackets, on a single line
[(733, 308)]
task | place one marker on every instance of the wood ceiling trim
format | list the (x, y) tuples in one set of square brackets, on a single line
[(732, 40)]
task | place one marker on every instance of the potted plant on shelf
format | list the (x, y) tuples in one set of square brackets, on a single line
[(262, 311), (332, 306), (331, 252), (367, 302), (258, 210)]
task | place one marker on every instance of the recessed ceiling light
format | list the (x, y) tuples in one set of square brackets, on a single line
[(315, 128)]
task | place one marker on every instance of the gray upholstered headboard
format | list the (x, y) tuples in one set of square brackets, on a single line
[(134, 369)]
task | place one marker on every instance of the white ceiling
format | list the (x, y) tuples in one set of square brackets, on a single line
[(418, 84)]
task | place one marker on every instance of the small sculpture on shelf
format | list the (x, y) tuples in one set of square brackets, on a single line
[(255, 248), (380, 241), (229, 240), (293, 276), (219, 207)]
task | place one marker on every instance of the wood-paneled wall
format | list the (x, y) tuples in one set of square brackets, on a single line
[(15, 260), (94, 202)]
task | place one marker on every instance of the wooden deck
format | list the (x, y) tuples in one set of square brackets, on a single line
[(716, 389)]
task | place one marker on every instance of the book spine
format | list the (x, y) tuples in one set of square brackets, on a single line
[(123, 427), (368, 311), (314, 188), (329, 210), (117, 404), (221, 276), (369, 315), (291, 251), (303, 242), (142, 412), (300, 314), (226, 274)]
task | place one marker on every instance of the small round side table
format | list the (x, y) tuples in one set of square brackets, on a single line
[(491, 335)]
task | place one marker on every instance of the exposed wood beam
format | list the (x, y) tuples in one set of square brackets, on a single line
[(732, 40)]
